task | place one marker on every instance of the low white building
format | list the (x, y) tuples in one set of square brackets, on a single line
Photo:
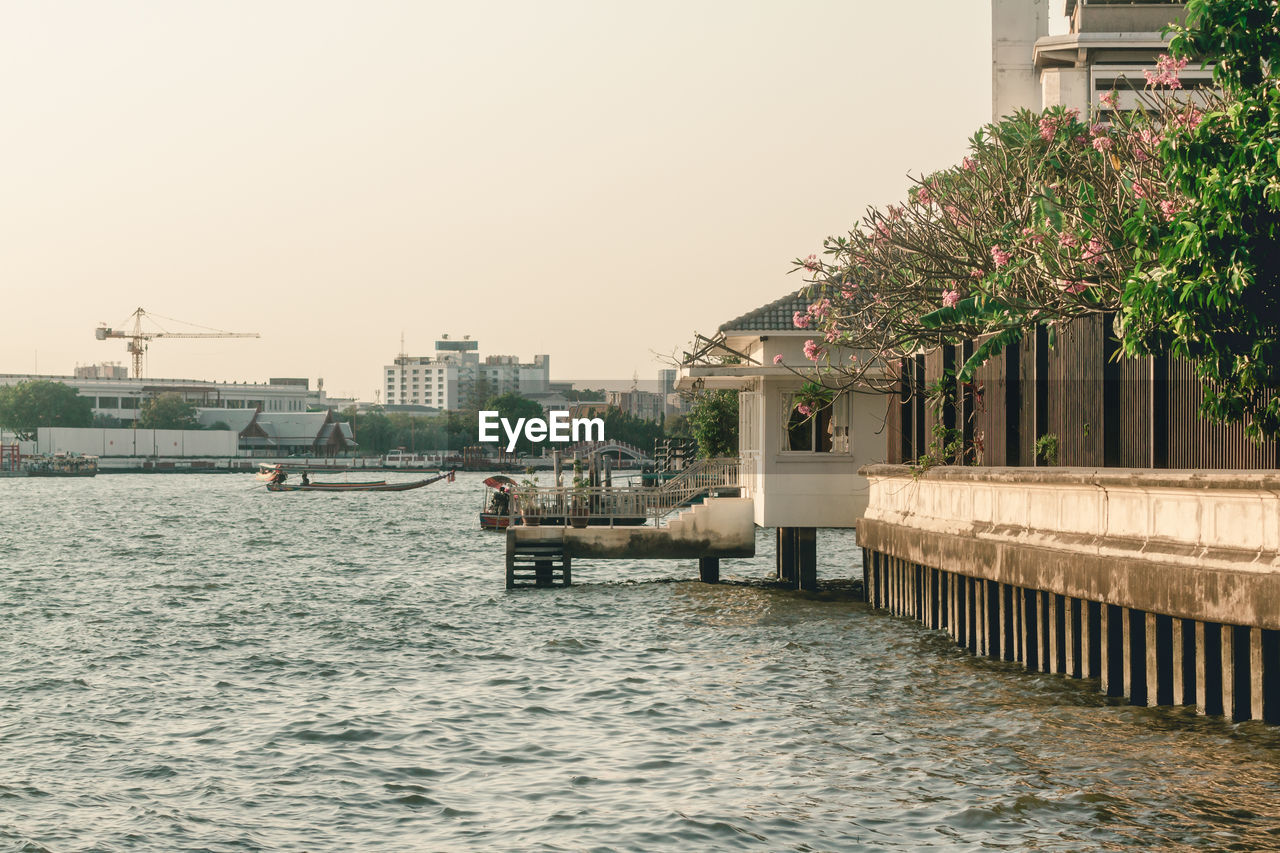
[(801, 472), (122, 397)]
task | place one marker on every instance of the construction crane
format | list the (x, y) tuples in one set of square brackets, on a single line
[(139, 337)]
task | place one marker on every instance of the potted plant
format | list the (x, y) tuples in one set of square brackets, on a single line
[(529, 508), (579, 514)]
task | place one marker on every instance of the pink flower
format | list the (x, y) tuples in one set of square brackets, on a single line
[(975, 273), (800, 319), (1190, 120), (1000, 256), (848, 294), (950, 298), (1169, 209), (1068, 240), (812, 351), (811, 263), (1069, 287), (1032, 236), (970, 164), (831, 335), (1166, 73), (1094, 251), (1108, 101), (804, 410), (923, 196), (777, 359), (895, 212), (819, 309), (1048, 127), (1103, 144)]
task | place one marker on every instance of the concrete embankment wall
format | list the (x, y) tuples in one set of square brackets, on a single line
[(1163, 585), (174, 443)]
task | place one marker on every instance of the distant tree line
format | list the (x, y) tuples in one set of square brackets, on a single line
[(713, 421)]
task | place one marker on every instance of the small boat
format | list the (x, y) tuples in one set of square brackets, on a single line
[(495, 509), (61, 465), (375, 486)]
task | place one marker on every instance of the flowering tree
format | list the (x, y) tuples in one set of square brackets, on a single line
[(1206, 285), (1030, 229)]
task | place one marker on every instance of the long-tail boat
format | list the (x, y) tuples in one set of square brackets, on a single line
[(376, 486)]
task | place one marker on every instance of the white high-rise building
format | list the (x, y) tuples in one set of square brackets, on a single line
[(455, 375)]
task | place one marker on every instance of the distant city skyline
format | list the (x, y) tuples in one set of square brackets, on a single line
[(588, 180)]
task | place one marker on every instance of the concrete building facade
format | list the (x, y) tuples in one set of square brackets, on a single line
[(451, 377), (1106, 45)]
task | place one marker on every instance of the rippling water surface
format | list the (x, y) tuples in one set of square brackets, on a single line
[(191, 663)]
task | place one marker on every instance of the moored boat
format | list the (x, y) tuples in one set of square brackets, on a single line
[(61, 465)]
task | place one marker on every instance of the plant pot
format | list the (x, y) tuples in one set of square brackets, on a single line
[(532, 520), (578, 521)]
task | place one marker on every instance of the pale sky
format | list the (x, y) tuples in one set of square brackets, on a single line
[(592, 179)]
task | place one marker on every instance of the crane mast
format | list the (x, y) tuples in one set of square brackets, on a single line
[(138, 337)]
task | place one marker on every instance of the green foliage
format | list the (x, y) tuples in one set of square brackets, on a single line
[(946, 444), (638, 432), (1047, 447), (167, 411), (713, 421), (27, 406), (372, 429), (1210, 291), (585, 395)]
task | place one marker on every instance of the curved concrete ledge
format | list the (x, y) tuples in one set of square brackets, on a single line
[(1202, 545)]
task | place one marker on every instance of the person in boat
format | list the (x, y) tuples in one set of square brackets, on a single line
[(501, 500), (280, 475), (306, 481)]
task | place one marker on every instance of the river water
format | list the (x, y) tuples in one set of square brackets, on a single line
[(191, 663)]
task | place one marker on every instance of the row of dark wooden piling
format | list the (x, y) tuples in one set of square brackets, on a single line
[(1149, 658)]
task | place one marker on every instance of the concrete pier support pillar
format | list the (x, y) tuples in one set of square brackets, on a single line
[(995, 625), (952, 619), (929, 588), (1113, 650), (709, 569), (1255, 674), (1051, 624), (1135, 656), (1071, 641), (1237, 701), (787, 556), (1228, 658), (1030, 629), (807, 558)]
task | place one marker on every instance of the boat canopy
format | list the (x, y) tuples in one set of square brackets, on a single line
[(497, 481)]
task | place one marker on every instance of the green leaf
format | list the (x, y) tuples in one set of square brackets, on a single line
[(987, 350)]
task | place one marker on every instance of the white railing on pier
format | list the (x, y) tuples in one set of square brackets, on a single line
[(628, 504)]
